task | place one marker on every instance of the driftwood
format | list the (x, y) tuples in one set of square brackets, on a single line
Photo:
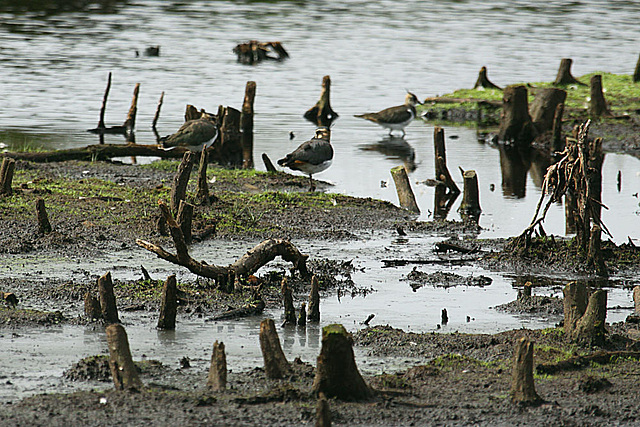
[(406, 197), (483, 80), (522, 387), (253, 52), (401, 262), (322, 114), (445, 247), (6, 175), (336, 373), (576, 363), (564, 76), (246, 125), (123, 371), (44, 226), (247, 264), (217, 379), (276, 365), (180, 181)]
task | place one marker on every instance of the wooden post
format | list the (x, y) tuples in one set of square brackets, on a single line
[(336, 373), (180, 181), (169, 304), (470, 207), (557, 141), (92, 310), (191, 113), (130, 122), (107, 299), (564, 76), (123, 371), (314, 300), (6, 175), (590, 330), (302, 316), (483, 80), (515, 123), (217, 379), (44, 226), (202, 196), (322, 114), (276, 365), (230, 137), (287, 299), (246, 124), (522, 387), (636, 72), (268, 164), (323, 413), (597, 105), (184, 218), (543, 107), (403, 187), (636, 300)]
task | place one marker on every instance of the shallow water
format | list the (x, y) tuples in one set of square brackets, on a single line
[(52, 77)]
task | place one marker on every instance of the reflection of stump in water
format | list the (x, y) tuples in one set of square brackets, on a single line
[(514, 166), (516, 125), (564, 76), (322, 114)]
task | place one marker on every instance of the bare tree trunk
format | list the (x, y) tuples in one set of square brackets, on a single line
[(522, 387), (246, 121), (123, 371), (403, 187), (590, 328), (217, 379), (515, 123), (276, 365)]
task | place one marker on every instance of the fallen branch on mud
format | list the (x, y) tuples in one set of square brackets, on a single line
[(96, 152), (580, 362), (249, 263), (401, 262)]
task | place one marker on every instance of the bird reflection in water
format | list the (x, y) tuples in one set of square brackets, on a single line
[(394, 147)]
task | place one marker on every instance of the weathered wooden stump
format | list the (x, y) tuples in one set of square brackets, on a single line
[(123, 371), (322, 114), (217, 379), (184, 220), (406, 197), (246, 125), (636, 299), (107, 299), (597, 105), (323, 413), (314, 301), (525, 292), (180, 181), (169, 304), (444, 317), (483, 80), (191, 113), (276, 365), (543, 107), (516, 125), (564, 76), (442, 171), (557, 141), (584, 318), (92, 309), (522, 387), (230, 140), (595, 259), (636, 72), (302, 316), (6, 175), (268, 164), (44, 226), (336, 373), (287, 300), (156, 116), (202, 196), (470, 207), (130, 121)]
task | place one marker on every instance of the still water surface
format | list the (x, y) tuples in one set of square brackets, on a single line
[(53, 71)]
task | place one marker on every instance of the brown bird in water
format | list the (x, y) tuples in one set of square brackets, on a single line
[(195, 135), (395, 118), (312, 156)]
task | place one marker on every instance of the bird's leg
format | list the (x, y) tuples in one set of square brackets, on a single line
[(312, 187), (403, 133)]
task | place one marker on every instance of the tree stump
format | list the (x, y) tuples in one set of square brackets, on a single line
[(483, 80), (107, 299), (337, 374), (557, 141), (405, 194), (268, 164), (323, 413), (564, 76), (202, 196), (314, 301), (169, 304), (636, 72), (302, 316), (276, 365), (523, 390), (322, 114), (217, 379), (92, 309), (442, 171), (123, 371), (191, 113), (246, 124), (590, 329), (230, 139), (180, 181), (44, 226), (470, 207), (287, 300), (515, 123), (6, 175), (597, 105), (575, 304), (595, 259), (543, 108), (184, 219), (130, 121), (636, 299)]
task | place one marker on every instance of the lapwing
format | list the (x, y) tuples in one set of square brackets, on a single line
[(195, 135), (312, 156), (395, 118)]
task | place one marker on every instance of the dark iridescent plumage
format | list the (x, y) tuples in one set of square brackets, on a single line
[(194, 134), (312, 156)]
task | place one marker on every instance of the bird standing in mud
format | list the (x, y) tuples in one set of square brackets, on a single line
[(195, 135), (312, 156), (395, 118)]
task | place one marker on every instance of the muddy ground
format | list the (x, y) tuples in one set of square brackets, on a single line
[(100, 207)]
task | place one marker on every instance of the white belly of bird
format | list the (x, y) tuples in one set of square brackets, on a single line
[(310, 169), (200, 147), (397, 126)]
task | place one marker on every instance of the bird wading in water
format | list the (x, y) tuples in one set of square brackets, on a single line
[(312, 156), (395, 118), (195, 135)]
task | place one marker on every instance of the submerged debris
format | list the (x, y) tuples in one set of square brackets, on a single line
[(445, 280)]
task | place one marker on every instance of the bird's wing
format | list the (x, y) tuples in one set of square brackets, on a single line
[(314, 151), (396, 114), (193, 132)]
